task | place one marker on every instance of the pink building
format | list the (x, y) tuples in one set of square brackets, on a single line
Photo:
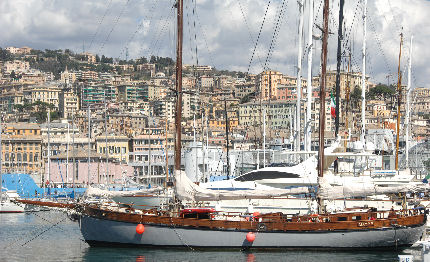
[(100, 173)]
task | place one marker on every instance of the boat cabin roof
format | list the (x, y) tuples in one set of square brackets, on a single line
[(197, 211)]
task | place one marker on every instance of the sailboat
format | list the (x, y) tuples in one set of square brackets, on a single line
[(198, 227)]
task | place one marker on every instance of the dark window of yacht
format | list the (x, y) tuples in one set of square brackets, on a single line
[(258, 175)]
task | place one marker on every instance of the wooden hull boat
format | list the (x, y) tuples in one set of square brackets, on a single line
[(101, 226)]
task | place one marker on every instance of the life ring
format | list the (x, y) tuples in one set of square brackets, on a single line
[(262, 227)]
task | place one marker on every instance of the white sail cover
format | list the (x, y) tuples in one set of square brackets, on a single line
[(97, 192), (327, 191), (187, 190)]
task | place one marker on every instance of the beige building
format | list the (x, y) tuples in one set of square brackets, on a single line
[(146, 67), (190, 105), (89, 57), (17, 66), (117, 147), (44, 93), (270, 80), (157, 92), (68, 103), (68, 77), (34, 77), (353, 79), (22, 148), (206, 82), (243, 89), (19, 50), (11, 95), (278, 114)]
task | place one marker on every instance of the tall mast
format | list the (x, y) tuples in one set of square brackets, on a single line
[(322, 97), (339, 57), (399, 98), (203, 148), (179, 6), (299, 78), (308, 133), (149, 151), (348, 90), (48, 175), (106, 140), (363, 77), (408, 89), (89, 143), (264, 137), (67, 152), (167, 149), (226, 132), (73, 153), (196, 149)]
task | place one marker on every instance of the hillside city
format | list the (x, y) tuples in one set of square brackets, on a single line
[(130, 105)]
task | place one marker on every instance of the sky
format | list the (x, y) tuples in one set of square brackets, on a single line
[(243, 35)]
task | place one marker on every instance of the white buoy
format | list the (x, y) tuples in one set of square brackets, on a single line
[(406, 258), (426, 252)]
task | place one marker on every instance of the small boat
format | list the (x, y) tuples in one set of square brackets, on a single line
[(7, 206)]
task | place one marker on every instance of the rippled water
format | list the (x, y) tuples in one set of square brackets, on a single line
[(51, 236)]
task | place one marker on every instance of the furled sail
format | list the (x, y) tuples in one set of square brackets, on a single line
[(97, 192), (327, 191), (187, 190)]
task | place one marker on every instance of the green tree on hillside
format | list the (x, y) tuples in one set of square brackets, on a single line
[(381, 92), (355, 97)]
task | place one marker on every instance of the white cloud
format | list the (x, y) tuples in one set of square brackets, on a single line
[(223, 37)]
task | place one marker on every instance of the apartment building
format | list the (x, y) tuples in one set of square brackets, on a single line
[(43, 93), (22, 148)]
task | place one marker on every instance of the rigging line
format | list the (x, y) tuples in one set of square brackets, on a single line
[(258, 37), (139, 27), (113, 26), (151, 15), (378, 44), (398, 28), (163, 30), (164, 21), (34, 213), (347, 34), (195, 31), (189, 30), (99, 24), (249, 29), (205, 39), (277, 25), (318, 11), (44, 231)]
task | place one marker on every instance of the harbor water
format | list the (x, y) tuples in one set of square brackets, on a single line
[(52, 236)]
